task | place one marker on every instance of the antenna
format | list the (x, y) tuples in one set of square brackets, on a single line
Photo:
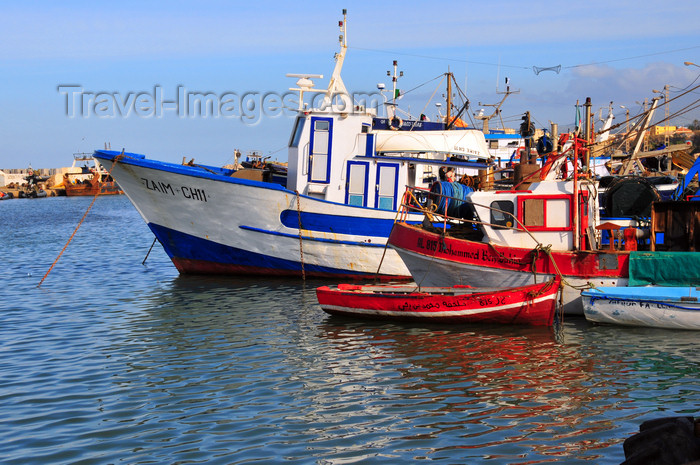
[(304, 84), (336, 87), (394, 79), (497, 107)]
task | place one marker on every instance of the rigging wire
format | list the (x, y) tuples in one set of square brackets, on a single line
[(633, 118), (434, 92), (421, 85), (687, 109), (437, 58), (633, 58), (581, 65), (688, 86)]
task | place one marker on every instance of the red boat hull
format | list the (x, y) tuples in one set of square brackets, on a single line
[(530, 305), (437, 260), (106, 188), (91, 187)]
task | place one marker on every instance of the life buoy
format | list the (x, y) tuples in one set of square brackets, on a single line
[(515, 156), (395, 123), (519, 154)]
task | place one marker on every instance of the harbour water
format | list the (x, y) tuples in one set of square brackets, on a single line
[(112, 361)]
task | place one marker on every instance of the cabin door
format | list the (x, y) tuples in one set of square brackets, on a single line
[(320, 149), (386, 187), (356, 183)]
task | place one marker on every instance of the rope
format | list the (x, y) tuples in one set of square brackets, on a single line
[(433, 95), (301, 247), (510, 260), (116, 159), (542, 290), (149, 251), (454, 191), (396, 218), (534, 255)]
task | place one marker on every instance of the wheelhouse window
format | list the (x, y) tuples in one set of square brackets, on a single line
[(502, 214), (545, 213), (533, 213), (356, 185), (298, 129), (386, 188), (320, 156)]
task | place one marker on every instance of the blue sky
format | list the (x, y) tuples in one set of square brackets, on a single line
[(609, 51)]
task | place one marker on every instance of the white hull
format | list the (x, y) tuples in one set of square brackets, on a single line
[(650, 307), (210, 225), (431, 271)]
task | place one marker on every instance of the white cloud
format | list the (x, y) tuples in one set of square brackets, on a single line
[(630, 84)]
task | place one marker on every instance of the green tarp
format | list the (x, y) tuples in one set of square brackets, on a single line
[(664, 268)]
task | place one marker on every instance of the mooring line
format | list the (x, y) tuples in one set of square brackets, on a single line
[(149, 251), (116, 159), (301, 247)]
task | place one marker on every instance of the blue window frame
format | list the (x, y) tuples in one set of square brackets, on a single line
[(320, 149), (356, 183), (386, 186)]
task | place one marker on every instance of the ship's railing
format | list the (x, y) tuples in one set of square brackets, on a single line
[(439, 209), (437, 206)]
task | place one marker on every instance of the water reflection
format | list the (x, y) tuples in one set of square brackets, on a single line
[(500, 385), (254, 370), (110, 361)]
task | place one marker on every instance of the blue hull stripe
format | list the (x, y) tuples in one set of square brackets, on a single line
[(184, 246), (336, 224), (309, 239)]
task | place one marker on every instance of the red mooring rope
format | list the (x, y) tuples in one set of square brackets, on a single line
[(116, 159)]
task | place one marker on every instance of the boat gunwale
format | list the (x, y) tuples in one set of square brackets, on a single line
[(200, 171)]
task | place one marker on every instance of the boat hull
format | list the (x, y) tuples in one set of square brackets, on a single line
[(530, 305), (215, 224), (90, 188), (437, 260), (655, 307)]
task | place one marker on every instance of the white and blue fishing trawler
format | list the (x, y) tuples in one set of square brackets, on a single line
[(347, 170)]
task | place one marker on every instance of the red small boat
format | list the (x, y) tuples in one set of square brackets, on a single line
[(533, 304)]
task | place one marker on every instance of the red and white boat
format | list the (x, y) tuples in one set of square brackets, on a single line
[(517, 237), (530, 305)]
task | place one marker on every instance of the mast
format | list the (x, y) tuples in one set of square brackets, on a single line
[(640, 128), (526, 132), (588, 135), (497, 107), (394, 80), (449, 98), (336, 87)]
